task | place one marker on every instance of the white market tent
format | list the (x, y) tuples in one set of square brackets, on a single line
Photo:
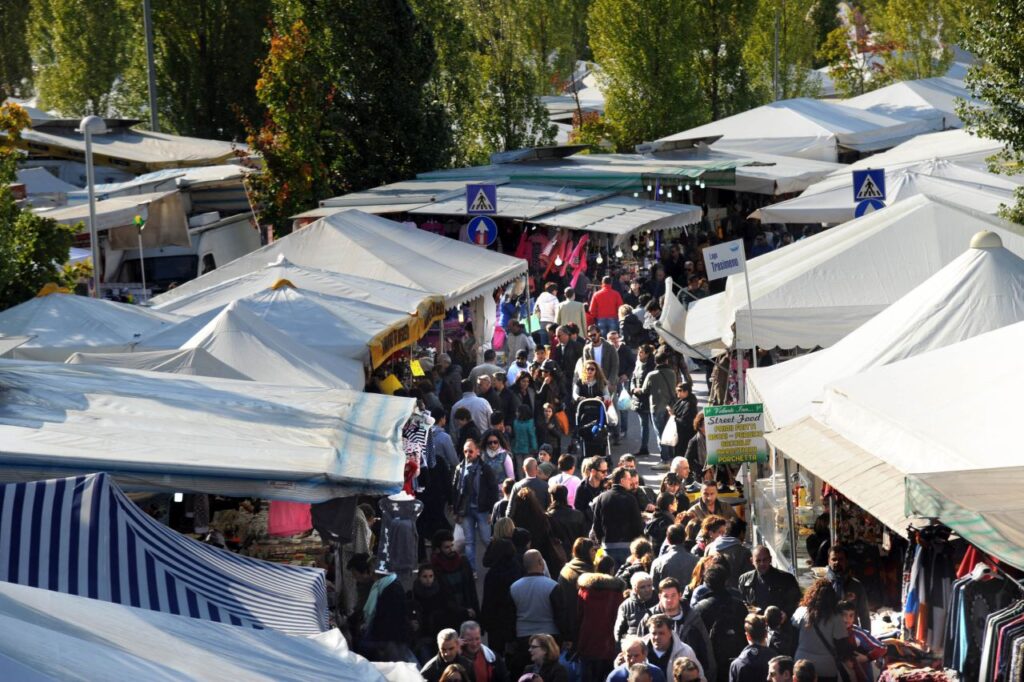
[(981, 290), (367, 246), (164, 212), (47, 635), (817, 290), (834, 202), (932, 436), (62, 324), (925, 98), (169, 433), (247, 344), (958, 146), (192, 362), (808, 128)]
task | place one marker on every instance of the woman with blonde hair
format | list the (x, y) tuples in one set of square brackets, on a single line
[(590, 382)]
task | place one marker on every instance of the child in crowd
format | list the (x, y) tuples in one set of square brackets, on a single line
[(524, 434), (866, 648)]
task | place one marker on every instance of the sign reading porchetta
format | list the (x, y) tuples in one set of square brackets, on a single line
[(735, 434)]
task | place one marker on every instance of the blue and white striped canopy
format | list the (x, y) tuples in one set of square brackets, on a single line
[(83, 536)]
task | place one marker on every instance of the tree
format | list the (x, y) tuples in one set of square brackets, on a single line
[(346, 105), (851, 67), (997, 79), (207, 62), (797, 37), (33, 249), (80, 48), (918, 34), (15, 62), (720, 43), (646, 50), (825, 17)]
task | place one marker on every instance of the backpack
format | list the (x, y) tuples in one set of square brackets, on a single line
[(727, 631)]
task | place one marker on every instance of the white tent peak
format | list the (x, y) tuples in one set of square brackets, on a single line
[(979, 291), (986, 240)]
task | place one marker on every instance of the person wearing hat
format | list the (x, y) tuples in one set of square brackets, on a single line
[(385, 628)]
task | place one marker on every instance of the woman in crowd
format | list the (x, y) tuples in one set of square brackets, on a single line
[(684, 410), (550, 430), (822, 636), (544, 654), (455, 673), (567, 523), (530, 516), (697, 449), (523, 390), (497, 610), (600, 595), (590, 382), (641, 555)]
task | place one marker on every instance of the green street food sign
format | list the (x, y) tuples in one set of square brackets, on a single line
[(735, 434)]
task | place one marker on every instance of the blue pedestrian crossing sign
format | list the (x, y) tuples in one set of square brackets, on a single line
[(482, 231), (869, 185), (867, 206), (481, 199)]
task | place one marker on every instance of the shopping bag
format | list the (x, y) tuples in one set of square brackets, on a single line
[(498, 340), (612, 415), (624, 401), (460, 538), (669, 435)]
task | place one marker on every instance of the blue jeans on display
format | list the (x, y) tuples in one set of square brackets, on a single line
[(475, 524), (607, 325), (667, 452)]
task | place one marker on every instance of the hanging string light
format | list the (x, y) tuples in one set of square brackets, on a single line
[(670, 194), (600, 259), (650, 242), (687, 187), (636, 247), (558, 261), (618, 252), (636, 194), (649, 188)]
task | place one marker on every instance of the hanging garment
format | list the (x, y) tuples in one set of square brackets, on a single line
[(396, 548), (288, 518)]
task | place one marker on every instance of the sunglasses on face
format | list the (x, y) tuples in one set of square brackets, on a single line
[(492, 442), (590, 369)]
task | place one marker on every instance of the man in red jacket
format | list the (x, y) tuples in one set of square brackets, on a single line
[(604, 306)]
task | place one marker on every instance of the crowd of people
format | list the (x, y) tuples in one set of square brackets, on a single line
[(551, 559)]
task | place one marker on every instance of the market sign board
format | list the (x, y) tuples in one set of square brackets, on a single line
[(727, 258), (735, 434)]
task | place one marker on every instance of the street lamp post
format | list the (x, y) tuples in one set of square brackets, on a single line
[(92, 125)]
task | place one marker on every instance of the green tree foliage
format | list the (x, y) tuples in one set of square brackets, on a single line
[(80, 48), (918, 36), (646, 50), (850, 65), (797, 46), (207, 56), (996, 39), (32, 248), (825, 17), (15, 62), (719, 58), (346, 105)]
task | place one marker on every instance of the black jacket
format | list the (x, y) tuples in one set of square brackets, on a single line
[(783, 590), (567, 524), (617, 516), (585, 494), (487, 490), (434, 668), (752, 664), (631, 613), (498, 611)]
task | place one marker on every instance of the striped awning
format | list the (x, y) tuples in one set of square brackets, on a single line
[(83, 536)]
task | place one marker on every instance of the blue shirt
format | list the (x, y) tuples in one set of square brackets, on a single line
[(621, 674)]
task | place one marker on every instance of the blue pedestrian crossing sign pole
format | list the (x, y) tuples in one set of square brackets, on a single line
[(481, 199), (482, 231), (868, 190)]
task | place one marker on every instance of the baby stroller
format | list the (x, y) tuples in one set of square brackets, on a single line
[(592, 428)]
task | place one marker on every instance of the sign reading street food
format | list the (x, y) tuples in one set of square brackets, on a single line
[(735, 434)]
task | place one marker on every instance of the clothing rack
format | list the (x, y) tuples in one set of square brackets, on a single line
[(999, 569)]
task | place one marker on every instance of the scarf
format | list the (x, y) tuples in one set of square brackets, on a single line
[(370, 609), (838, 583), (424, 593)]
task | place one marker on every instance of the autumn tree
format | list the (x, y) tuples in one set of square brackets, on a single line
[(918, 36), (997, 79), (32, 248), (797, 38), (80, 48), (646, 49), (15, 62)]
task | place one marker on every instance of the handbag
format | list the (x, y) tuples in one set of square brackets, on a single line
[(844, 674), (670, 434)]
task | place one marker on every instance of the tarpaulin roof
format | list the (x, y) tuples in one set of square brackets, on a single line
[(167, 180), (171, 433), (368, 246), (924, 98), (833, 202), (621, 216), (518, 201), (164, 213), (242, 341), (42, 181), (192, 362), (952, 145), (981, 290), (817, 290), (85, 537), (61, 324), (940, 423), (47, 635), (809, 128)]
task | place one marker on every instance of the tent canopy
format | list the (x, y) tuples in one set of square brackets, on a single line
[(925, 98), (46, 635), (164, 213), (42, 181), (959, 146), (244, 342), (817, 290), (173, 433), (981, 290), (192, 362), (368, 246), (943, 420), (61, 324), (808, 128), (143, 563), (832, 202)]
